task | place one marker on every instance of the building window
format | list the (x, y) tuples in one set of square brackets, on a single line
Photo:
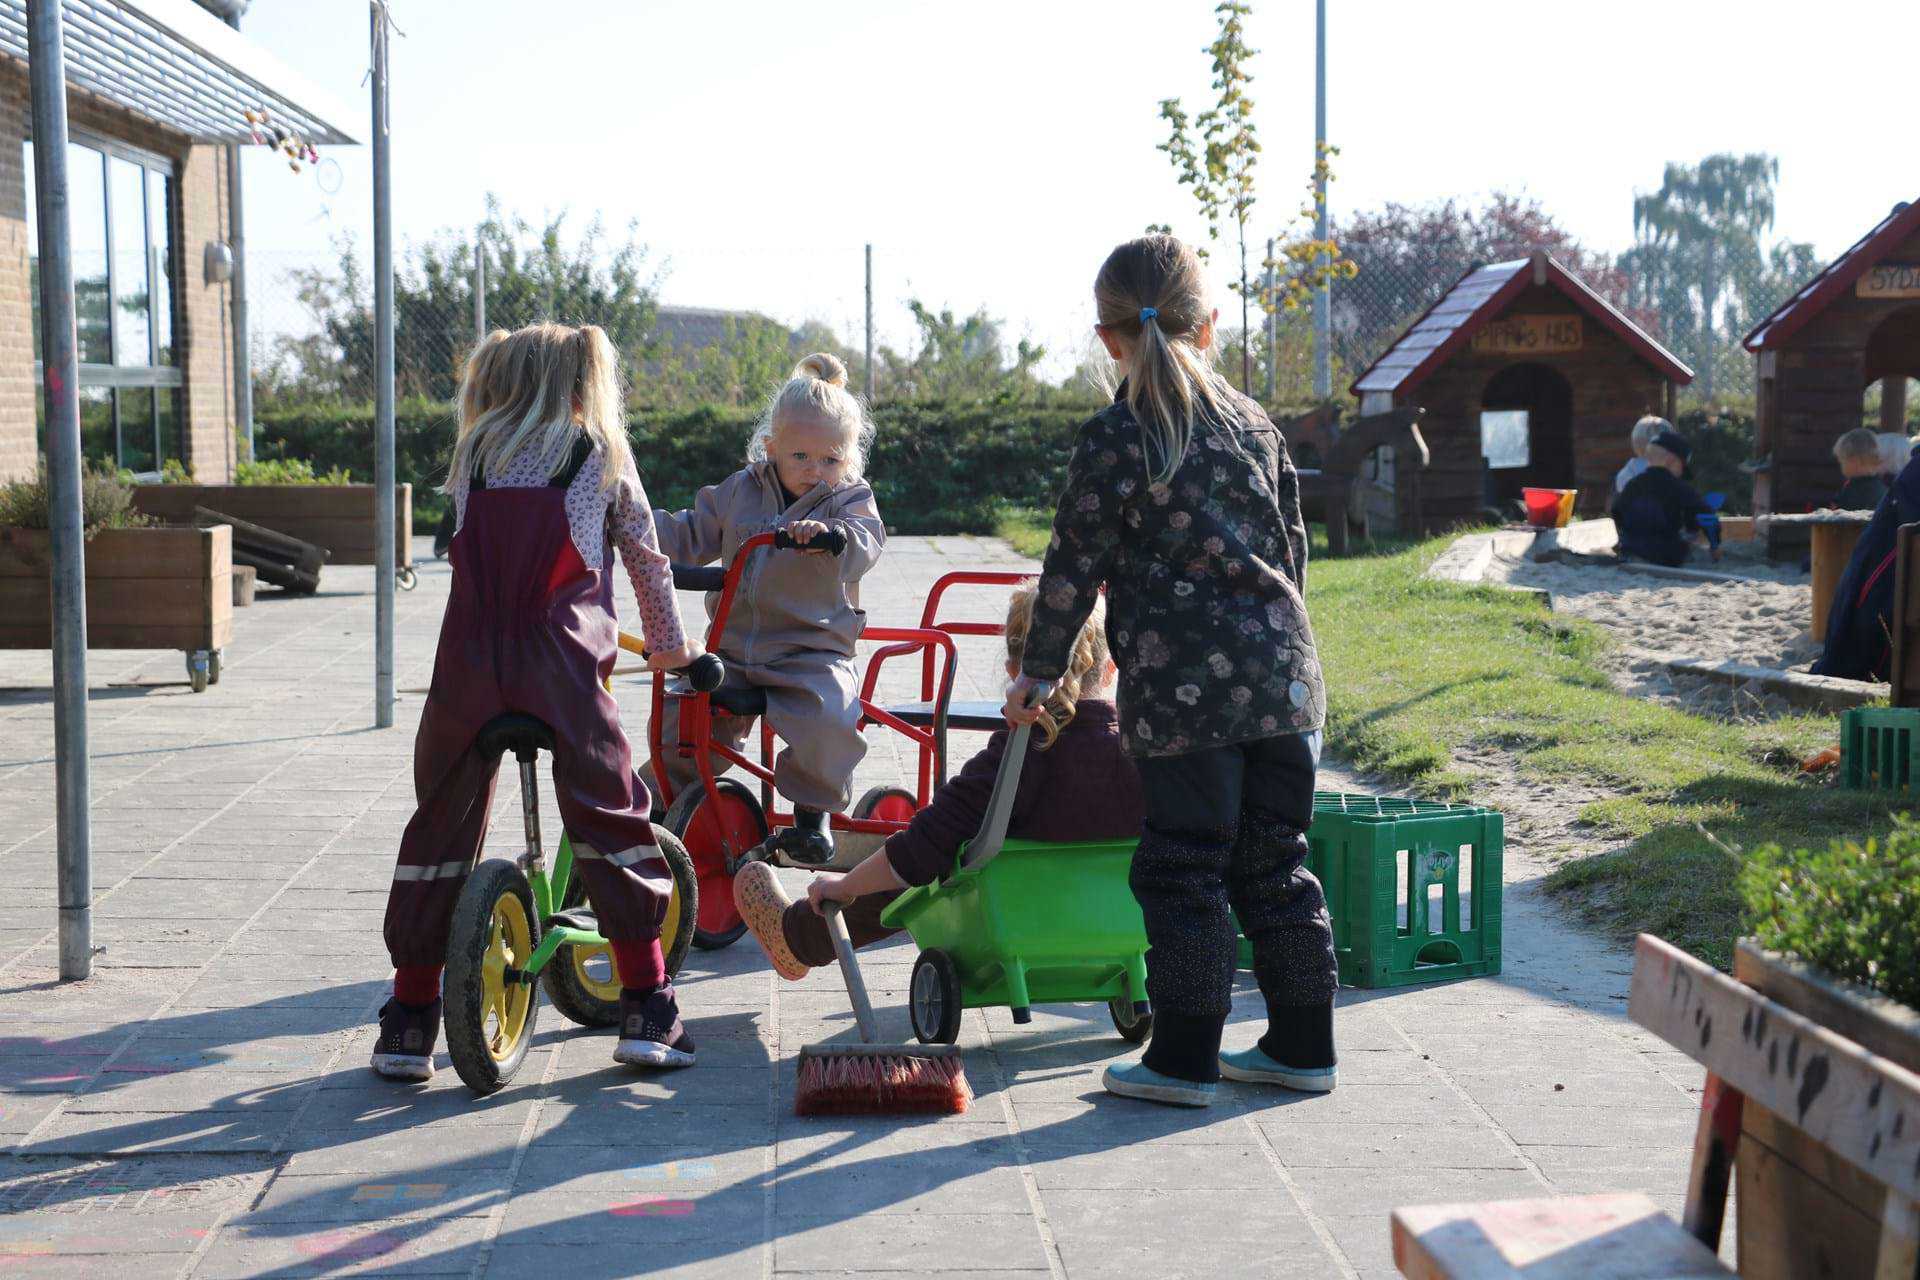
[(1503, 438), (120, 203)]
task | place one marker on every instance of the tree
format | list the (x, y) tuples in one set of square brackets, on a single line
[(531, 275), (1407, 256), (959, 360), (1217, 158), (1299, 263), (1698, 254)]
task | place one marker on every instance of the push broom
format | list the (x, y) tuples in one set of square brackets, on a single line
[(869, 1077)]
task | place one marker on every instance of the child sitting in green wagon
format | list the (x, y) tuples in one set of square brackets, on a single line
[(1076, 784)]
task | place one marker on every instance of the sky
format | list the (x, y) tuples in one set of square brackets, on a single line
[(993, 152)]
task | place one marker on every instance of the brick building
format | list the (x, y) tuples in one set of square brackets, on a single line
[(157, 89)]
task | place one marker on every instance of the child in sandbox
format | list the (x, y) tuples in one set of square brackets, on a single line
[(1643, 433), (1861, 461), (794, 619), (1659, 514), (1076, 783)]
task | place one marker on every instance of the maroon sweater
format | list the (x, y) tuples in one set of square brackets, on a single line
[(1083, 787)]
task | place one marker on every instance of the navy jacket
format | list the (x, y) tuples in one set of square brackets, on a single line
[(1658, 514), (1859, 645)]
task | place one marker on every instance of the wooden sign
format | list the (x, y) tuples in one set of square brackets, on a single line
[(1529, 336), (1890, 280)]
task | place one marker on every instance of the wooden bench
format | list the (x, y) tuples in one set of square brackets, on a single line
[(1860, 1109)]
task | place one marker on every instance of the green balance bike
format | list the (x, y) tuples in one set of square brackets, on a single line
[(517, 926)]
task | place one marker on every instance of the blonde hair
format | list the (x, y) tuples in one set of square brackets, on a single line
[(1171, 384), (1645, 430), (1895, 451), (535, 388), (1859, 443), (1085, 663), (817, 388)]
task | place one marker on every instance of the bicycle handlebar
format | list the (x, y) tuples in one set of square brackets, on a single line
[(833, 542)]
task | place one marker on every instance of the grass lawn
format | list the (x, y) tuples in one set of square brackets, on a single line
[(1416, 669)]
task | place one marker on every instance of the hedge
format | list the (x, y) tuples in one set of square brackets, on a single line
[(934, 469)]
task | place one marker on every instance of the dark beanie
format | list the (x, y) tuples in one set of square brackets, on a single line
[(1676, 444)]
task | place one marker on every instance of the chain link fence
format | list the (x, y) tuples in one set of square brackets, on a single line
[(312, 320)]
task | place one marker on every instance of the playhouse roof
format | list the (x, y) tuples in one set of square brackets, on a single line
[(1818, 293), (1480, 296)]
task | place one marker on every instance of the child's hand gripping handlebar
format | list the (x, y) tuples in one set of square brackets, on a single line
[(705, 673), (830, 540)]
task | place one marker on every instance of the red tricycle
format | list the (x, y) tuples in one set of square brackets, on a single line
[(722, 822)]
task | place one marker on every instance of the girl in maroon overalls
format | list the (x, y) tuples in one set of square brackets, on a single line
[(543, 487)]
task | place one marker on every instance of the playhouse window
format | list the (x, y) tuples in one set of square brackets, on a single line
[(1503, 438)]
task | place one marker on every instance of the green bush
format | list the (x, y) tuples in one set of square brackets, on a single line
[(1852, 909), (106, 502), (288, 471), (934, 469), (1722, 439)]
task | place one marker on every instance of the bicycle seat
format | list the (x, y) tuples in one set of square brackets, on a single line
[(745, 700), (514, 731), (984, 716)]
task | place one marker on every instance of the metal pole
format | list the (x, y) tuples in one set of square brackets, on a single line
[(480, 284), (242, 332), (869, 324), (1273, 329), (384, 559), (47, 71), (1323, 294)]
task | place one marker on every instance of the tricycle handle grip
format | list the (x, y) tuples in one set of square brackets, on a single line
[(706, 673), (833, 542)]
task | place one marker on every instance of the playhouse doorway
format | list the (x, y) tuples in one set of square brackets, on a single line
[(1526, 432), (1892, 359)]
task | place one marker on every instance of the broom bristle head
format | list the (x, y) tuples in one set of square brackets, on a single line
[(880, 1083)]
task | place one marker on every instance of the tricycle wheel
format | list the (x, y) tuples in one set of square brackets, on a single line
[(934, 999), (490, 1009), (1134, 1027), (705, 825), (886, 804)]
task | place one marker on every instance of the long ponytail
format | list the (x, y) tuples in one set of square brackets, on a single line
[(1153, 290)]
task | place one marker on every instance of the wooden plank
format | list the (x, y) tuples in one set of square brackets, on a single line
[(1715, 1139), (1619, 1237), (111, 553), (1863, 1107), (1899, 1257), (1869, 1019), (1792, 1223), (128, 636), (117, 601)]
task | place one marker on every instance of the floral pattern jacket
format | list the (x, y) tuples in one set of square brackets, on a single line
[(1205, 577)]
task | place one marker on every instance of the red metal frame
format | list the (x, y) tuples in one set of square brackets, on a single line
[(931, 640)]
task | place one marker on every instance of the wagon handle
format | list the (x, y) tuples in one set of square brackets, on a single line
[(985, 847)]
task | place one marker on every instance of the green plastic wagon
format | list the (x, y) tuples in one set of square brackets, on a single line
[(1019, 923)]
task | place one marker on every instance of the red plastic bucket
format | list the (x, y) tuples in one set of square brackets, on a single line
[(1548, 508)]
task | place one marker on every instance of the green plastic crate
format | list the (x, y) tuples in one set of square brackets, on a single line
[(1413, 888), (1880, 749)]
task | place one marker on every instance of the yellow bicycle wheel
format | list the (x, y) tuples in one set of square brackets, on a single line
[(491, 1007), (582, 981)]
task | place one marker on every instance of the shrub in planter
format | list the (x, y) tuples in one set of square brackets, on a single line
[(106, 502), (1851, 909)]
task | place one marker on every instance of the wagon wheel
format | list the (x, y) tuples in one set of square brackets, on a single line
[(934, 998), (886, 804), (1133, 1022), (490, 1007), (699, 822)]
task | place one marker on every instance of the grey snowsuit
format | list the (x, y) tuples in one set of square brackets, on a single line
[(793, 625)]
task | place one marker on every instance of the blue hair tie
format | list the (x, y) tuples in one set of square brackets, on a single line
[(1147, 313)]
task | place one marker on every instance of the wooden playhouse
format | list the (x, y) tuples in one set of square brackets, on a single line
[(1855, 324), (1529, 379)]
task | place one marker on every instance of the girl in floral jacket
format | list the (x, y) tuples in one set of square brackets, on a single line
[(1182, 502)]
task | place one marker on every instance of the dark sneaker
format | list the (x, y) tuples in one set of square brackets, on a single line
[(651, 1033), (407, 1036)]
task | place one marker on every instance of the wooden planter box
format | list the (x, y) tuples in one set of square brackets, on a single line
[(1802, 1210), (146, 589), (338, 517)]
